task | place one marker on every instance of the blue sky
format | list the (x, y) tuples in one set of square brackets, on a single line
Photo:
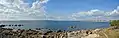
[(71, 6), (59, 9), (74, 8)]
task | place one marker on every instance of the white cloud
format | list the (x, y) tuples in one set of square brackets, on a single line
[(115, 12), (19, 10), (44, 1), (96, 14)]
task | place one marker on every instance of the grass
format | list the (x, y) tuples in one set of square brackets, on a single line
[(109, 33), (112, 33)]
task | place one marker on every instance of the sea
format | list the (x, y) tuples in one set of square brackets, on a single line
[(50, 24)]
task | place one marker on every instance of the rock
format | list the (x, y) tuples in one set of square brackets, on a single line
[(91, 36), (59, 31), (21, 33)]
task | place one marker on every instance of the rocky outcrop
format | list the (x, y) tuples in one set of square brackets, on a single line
[(21, 33)]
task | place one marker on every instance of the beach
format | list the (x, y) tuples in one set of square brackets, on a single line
[(111, 32)]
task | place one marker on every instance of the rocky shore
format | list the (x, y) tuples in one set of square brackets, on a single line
[(111, 32)]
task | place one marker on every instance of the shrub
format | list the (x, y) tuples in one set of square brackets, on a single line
[(114, 22)]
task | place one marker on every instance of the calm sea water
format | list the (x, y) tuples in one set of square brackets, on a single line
[(56, 24)]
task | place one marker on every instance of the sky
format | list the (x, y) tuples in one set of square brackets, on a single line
[(59, 9), (70, 6)]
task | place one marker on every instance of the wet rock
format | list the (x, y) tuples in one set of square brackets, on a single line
[(59, 31)]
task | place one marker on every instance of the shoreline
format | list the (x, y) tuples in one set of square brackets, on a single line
[(21, 33)]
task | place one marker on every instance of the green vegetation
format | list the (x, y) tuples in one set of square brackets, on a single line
[(114, 22), (111, 33)]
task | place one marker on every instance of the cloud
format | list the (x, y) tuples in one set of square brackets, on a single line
[(20, 10), (44, 1), (96, 14), (115, 12)]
